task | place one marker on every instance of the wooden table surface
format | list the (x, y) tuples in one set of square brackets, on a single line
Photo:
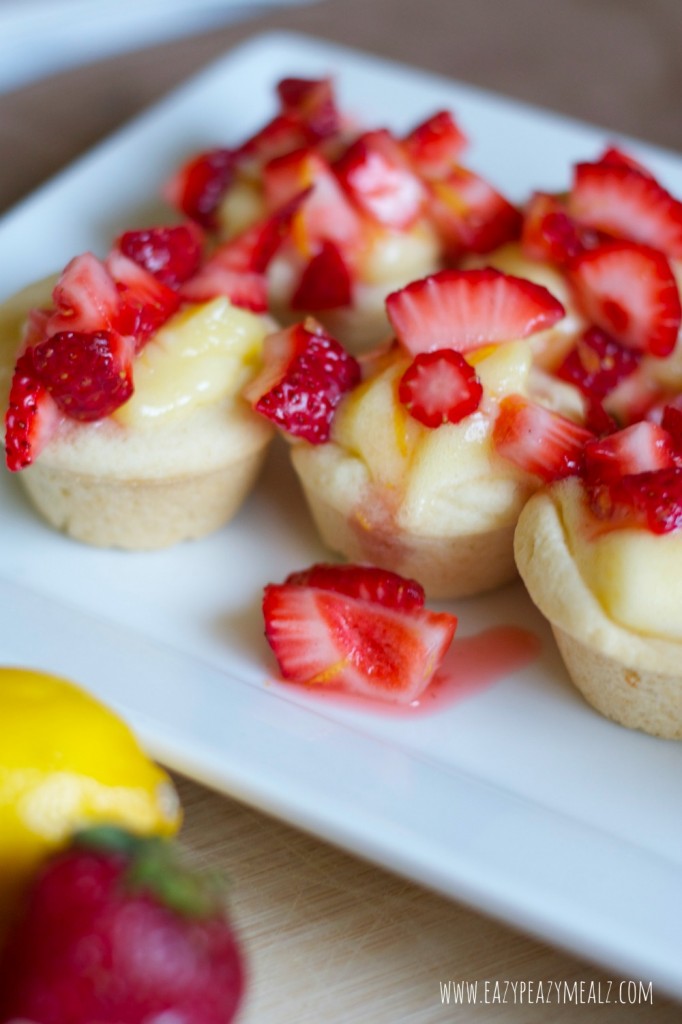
[(330, 938)]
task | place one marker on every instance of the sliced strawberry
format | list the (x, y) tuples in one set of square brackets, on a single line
[(283, 134), (630, 291), (464, 309), (651, 501), (323, 212), (597, 363), (31, 419), (377, 175), (248, 290), (85, 297), (323, 638), (312, 103), (641, 448), (615, 155), (326, 282), (440, 387), (469, 214), (145, 303), (198, 187), (538, 440), (634, 396), (435, 145), (548, 232), (598, 420), (171, 254), (306, 373), (619, 200), (88, 375), (35, 327), (366, 582), (255, 247)]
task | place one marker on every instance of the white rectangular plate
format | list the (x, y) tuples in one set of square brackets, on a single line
[(519, 799)]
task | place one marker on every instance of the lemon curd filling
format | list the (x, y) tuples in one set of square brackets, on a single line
[(203, 354), (635, 575)]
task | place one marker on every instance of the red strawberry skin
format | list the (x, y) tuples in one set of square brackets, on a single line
[(31, 418), (308, 375), (88, 948), (366, 582)]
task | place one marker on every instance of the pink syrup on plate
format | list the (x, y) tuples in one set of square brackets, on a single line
[(472, 664)]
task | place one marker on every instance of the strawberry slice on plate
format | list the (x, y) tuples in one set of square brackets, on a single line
[(630, 291), (464, 309), (31, 419), (323, 637), (305, 375), (619, 200), (538, 440), (440, 387)]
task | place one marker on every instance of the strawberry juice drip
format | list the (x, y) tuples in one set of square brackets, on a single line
[(472, 664)]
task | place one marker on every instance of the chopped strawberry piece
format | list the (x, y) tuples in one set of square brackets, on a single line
[(641, 448), (322, 210), (85, 297), (464, 309), (366, 582), (312, 102), (548, 232), (283, 134), (435, 145), (326, 282), (469, 214), (615, 155), (538, 440), (255, 247), (199, 185), (377, 175), (145, 302), (440, 387), (171, 254), (88, 375), (672, 422), (598, 420), (306, 373), (619, 200), (651, 501), (35, 327), (630, 291), (597, 363), (324, 638), (31, 419), (248, 290)]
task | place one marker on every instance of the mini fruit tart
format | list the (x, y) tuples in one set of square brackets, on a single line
[(124, 416), (430, 446), (362, 212), (601, 557)]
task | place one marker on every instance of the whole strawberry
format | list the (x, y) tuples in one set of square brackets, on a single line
[(115, 931)]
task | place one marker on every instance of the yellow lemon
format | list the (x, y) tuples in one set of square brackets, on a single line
[(67, 761)]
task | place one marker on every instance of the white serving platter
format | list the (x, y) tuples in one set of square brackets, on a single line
[(517, 799)]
